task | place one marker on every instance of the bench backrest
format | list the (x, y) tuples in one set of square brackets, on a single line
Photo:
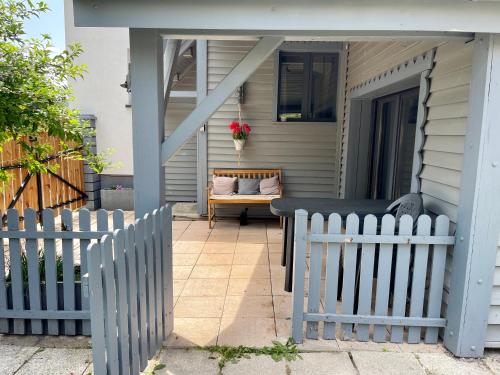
[(248, 173)]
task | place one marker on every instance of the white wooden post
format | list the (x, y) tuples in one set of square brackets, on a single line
[(146, 67), (479, 207), (202, 134)]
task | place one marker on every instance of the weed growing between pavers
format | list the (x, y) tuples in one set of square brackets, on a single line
[(277, 352)]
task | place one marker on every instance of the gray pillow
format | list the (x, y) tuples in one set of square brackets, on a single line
[(248, 186)]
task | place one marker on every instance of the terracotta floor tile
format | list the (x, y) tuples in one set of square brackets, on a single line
[(178, 285), (251, 238), (277, 271), (275, 259), (188, 247), (185, 259), (251, 258), (215, 259), (205, 288), (275, 247), (247, 331), (194, 332), (181, 272), (211, 272), (199, 307), (249, 287), (251, 247), (219, 247), (249, 306), (249, 272), (228, 238)]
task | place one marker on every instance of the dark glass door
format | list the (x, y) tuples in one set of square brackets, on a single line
[(395, 120)]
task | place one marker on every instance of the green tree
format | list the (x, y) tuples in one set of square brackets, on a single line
[(35, 89)]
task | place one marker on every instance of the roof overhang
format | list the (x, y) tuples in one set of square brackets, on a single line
[(297, 19)]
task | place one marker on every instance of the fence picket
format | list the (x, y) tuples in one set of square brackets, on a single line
[(68, 272), (348, 285), (437, 278), (150, 304), (167, 276), (51, 290), (142, 292), (131, 274), (118, 219), (16, 275), (401, 278), (97, 311), (332, 275), (419, 275), (383, 278), (158, 281), (111, 328), (366, 277), (122, 310), (84, 225), (299, 267), (33, 270), (102, 220), (315, 265), (4, 323)]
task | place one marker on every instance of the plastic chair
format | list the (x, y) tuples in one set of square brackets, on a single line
[(409, 204)]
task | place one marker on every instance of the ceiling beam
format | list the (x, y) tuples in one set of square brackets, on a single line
[(258, 17)]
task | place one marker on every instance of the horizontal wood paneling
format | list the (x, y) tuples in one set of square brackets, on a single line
[(306, 153), (366, 60), (181, 170)]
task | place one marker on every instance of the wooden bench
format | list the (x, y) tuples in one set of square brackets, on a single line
[(241, 199)]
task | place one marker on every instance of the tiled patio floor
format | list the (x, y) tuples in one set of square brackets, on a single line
[(228, 284)]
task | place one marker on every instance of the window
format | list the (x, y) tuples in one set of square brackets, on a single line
[(307, 87)]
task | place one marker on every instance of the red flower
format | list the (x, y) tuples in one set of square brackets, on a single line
[(247, 129), (234, 125)]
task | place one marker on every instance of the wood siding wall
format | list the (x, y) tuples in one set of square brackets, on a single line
[(180, 172), (366, 60), (307, 153), (446, 120)]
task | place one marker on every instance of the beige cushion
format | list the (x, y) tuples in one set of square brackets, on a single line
[(270, 186), (224, 185)]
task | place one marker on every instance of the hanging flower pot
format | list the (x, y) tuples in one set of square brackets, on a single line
[(240, 134), (239, 143)]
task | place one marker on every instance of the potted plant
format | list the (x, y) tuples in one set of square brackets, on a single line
[(240, 134)]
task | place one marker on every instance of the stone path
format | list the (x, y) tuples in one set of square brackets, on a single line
[(192, 361)]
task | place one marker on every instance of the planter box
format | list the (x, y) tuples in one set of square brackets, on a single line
[(117, 199)]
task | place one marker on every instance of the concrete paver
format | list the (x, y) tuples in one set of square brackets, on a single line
[(56, 361), (186, 362), (386, 363), (12, 357), (444, 364), (337, 363), (262, 365)]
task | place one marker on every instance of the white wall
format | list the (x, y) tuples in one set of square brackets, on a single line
[(99, 93)]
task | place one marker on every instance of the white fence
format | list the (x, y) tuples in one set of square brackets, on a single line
[(131, 295), (408, 268)]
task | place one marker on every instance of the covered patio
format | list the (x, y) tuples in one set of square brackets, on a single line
[(452, 164)]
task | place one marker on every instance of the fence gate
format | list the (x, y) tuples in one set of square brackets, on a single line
[(408, 268), (131, 295), (63, 188)]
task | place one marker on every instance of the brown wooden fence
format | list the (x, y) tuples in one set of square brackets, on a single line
[(64, 188)]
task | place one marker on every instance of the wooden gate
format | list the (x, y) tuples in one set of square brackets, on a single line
[(131, 295), (64, 188), (408, 268)]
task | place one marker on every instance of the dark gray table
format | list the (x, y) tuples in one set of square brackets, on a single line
[(286, 207)]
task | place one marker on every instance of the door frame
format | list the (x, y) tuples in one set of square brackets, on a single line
[(395, 141), (414, 73)]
